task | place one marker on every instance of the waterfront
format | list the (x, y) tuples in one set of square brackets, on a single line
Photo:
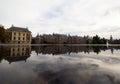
[(59, 64)]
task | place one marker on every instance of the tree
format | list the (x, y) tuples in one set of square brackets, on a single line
[(103, 41), (3, 34), (96, 39)]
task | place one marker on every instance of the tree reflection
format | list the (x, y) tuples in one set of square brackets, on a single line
[(97, 49)]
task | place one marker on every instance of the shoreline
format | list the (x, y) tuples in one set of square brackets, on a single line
[(62, 44)]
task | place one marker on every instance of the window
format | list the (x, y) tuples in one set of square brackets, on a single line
[(14, 38), (22, 49), (15, 33), (13, 54), (22, 53), (13, 49), (27, 34), (23, 38), (23, 34), (18, 49), (18, 38), (18, 54), (18, 41), (19, 34), (10, 33)]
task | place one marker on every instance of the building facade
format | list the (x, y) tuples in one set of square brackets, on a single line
[(18, 35), (61, 39)]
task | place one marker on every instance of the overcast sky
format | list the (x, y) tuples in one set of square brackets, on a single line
[(75, 17)]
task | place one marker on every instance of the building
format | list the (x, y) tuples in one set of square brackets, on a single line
[(18, 35), (50, 39)]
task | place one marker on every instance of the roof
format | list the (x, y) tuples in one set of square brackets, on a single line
[(20, 29)]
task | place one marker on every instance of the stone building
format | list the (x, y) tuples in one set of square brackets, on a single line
[(61, 39), (50, 39), (19, 35)]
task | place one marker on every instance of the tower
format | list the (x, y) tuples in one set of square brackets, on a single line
[(111, 38)]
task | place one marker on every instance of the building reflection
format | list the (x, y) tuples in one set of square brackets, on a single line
[(61, 49), (14, 53), (68, 49), (21, 53)]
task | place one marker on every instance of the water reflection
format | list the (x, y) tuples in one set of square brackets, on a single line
[(74, 74), (60, 64), (21, 53), (63, 49), (14, 53)]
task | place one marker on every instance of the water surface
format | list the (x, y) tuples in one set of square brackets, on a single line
[(59, 64)]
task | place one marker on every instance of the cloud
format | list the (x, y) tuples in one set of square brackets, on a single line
[(63, 16)]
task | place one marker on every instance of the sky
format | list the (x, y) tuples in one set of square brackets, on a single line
[(75, 17)]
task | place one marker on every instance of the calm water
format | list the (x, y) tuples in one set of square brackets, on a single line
[(59, 64)]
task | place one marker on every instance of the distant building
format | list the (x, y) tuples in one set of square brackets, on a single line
[(61, 39), (19, 35)]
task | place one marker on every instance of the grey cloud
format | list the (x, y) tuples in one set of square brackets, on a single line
[(112, 10), (66, 16)]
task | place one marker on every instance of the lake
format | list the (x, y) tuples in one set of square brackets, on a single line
[(59, 64)]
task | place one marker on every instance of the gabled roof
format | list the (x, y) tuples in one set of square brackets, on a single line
[(20, 29)]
